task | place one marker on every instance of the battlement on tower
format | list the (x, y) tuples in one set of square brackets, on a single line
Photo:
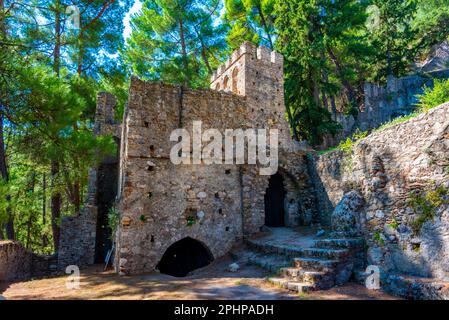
[(230, 76)]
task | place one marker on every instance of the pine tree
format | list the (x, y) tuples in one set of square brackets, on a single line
[(392, 36), (430, 25), (176, 41), (323, 46), (51, 102), (250, 20)]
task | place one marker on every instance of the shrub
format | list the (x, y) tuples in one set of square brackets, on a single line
[(432, 98), (347, 145), (113, 220), (377, 236), (426, 204)]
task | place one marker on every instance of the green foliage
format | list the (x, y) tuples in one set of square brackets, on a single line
[(113, 221), (394, 224), (396, 121), (347, 145), (426, 203), (47, 99), (87, 51), (391, 34), (250, 20), (176, 41), (142, 218), (433, 97), (190, 221), (326, 53), (50, 78), (430, 25), (377, 236)]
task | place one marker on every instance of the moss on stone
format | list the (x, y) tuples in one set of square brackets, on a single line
[(426, 203)]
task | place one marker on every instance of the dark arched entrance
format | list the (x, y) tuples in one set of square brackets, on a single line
[(274, 202), (184, 256)]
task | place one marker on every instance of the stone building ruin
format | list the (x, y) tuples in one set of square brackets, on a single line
[(177, 218), (163, 206)]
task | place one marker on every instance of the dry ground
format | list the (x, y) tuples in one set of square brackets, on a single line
[(211, 282)]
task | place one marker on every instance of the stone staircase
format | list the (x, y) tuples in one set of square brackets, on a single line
[(327, 263)]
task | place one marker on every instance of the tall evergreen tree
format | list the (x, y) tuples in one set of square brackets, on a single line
[(51, 113), (250, 20), (323, 43), (430, 25), (392, 36), (176, 41)]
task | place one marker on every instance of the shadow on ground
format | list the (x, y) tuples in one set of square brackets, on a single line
[(212, 282)]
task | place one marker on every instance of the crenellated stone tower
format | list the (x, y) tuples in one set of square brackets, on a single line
[(164, 207), (257, 73)]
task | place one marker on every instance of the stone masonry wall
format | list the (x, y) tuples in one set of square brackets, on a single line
[(16, 263), (394, 169), (384, 103), (78, 233), (161, 203)]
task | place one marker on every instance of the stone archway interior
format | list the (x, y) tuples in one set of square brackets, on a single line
[(274, 202), (183, 257)]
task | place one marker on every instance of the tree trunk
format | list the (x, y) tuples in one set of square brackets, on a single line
[(57, 48), (44, 199), (333, 108), (345, 82), (2, 18), (30, 218), (4, 172), (316, 92), (44, 207), (292, 123), (265, 27), (56, 196), (184, 53), (79, 69), (9, 226), (389, 68), (55, 206)]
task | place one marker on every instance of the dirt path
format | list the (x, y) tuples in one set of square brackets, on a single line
[(212, 282)]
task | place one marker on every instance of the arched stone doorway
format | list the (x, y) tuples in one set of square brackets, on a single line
[(274, 202), (184, 256)]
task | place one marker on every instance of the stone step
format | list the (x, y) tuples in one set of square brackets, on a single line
[(315, 264), (318, 279), (269, 262), (339, 243), (280, 249), (325, 253), (360, 276), (302, 275), (296, 286)]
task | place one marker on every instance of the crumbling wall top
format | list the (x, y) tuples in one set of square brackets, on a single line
[(260, 54)]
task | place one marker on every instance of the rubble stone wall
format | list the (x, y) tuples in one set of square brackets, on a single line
[(17, 263), (384, 103), (77, 245), (161, 203), (396, 169)]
